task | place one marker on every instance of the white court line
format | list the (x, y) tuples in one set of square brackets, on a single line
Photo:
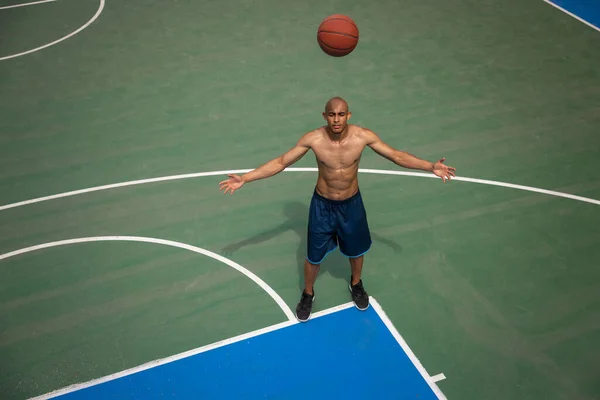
[(284, 307), (438, 377), (26, 4), (386, 320), (572, 15), (98, 12), (189, 353), (240, 171), (162, 361), (199, 350)]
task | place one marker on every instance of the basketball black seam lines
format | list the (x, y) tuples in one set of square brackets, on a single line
[(341, 19), (340, 33), (334, 48)]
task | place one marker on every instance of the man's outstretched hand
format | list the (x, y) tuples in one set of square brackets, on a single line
[(232, 184), (443, 171)]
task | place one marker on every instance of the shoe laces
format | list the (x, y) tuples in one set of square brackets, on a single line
[(305, 300), (358, 289)]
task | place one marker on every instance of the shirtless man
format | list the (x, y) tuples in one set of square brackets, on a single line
[(337, 216)]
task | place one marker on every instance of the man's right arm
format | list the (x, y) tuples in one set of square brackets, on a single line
[(276, 165)]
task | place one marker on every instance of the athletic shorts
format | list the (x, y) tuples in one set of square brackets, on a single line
[(337, 222)]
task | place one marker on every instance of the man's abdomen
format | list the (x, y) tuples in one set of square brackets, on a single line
[(337, 184)]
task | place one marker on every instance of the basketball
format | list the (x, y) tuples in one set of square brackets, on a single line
[(337, 35)]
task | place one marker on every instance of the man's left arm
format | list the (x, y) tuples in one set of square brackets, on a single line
[(407, 160)]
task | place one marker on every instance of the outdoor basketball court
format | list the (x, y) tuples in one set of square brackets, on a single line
[(125, 273)]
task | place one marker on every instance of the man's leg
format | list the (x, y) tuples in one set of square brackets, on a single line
[(356, 265), (355, 241), (321, 240), (310, 276), (360, 297), (304, 306)]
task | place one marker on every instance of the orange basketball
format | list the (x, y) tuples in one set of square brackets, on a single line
[(337, 35)]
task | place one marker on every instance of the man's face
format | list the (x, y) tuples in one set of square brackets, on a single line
[(337, 116)]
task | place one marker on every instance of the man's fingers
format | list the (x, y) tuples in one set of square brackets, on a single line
[(228, 189)]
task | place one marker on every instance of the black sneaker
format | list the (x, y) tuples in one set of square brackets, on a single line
[(304, 306), (359, 295)]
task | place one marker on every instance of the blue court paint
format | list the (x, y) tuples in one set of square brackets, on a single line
[(345, 354), (587, 10)]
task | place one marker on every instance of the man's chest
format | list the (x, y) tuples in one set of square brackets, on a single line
[(342, 155)]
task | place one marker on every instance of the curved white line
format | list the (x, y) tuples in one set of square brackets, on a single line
[(284, 307), (240, 171), (98, 12)]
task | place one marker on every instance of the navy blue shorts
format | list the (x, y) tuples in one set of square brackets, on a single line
[(337, 222)]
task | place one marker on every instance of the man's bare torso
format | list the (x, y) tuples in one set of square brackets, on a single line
[(338, 162)]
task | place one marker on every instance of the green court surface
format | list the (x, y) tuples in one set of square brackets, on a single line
[(496, 287)]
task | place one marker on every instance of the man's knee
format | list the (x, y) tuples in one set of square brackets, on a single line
[(311, 263), (356, 260)]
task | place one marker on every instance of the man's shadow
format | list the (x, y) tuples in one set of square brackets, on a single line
[(297, 221)]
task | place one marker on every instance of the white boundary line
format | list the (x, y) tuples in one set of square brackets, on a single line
[(26, 4), (239, 171), (98, 12), (284, 307), (235, 339), (572, 15), (162, 361), (407, 350), (189, 353)]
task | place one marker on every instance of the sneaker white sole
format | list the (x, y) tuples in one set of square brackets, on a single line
[(309, 315)]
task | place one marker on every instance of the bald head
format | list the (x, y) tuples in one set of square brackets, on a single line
[(336, 114), (336, 102)]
